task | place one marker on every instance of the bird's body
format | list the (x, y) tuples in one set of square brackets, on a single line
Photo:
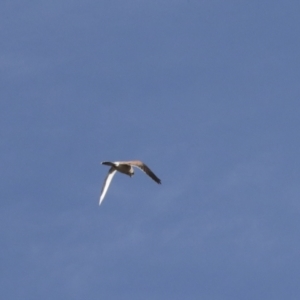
[(121, 167), (125, 167)]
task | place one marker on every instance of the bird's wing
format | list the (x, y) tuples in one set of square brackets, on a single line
[(112, 171), (145, 168)]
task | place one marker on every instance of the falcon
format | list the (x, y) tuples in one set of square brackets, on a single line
[(125, 167)]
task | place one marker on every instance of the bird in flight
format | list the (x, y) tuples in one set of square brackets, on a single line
[(125, 167)]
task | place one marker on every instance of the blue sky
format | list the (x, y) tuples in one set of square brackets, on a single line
[(206, 93)]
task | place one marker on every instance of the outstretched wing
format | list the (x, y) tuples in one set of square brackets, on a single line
[(145, 168), (112, 171)]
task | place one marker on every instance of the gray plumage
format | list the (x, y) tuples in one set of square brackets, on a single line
[(125, 167)]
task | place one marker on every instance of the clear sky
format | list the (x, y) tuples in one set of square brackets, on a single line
[(206, 93)]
